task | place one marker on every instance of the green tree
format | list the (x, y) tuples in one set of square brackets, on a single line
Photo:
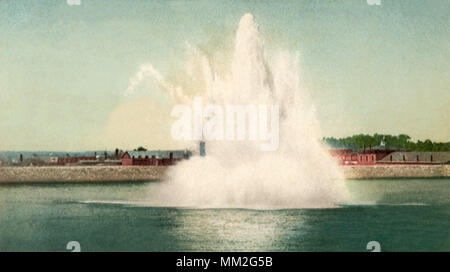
[(401, 141), (428, 145)]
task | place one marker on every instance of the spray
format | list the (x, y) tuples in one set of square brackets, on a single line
[(238, 174)]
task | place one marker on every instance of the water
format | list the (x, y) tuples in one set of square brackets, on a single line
[(401, 214), (297, 173)]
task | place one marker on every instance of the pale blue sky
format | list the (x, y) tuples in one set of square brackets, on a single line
[(64, 69)]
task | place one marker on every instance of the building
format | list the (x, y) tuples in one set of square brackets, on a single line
[(416, 158), (389, 157), (354, 158), (155, 158), (366, 156), (380, 151)]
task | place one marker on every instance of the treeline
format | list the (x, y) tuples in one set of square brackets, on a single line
[(402, 142)]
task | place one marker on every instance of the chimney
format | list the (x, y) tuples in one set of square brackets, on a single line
[(21, 158), (117, 152), (171, 156), (364, 148)]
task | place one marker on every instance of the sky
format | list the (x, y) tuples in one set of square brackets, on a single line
[(64, 68)]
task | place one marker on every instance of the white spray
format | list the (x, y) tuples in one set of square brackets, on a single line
[(237, 174)]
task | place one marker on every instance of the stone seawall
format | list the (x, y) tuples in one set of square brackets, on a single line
[(80, 173), (395, 171), (146, 173)]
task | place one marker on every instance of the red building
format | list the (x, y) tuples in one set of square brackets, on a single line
[(356, 158), (365, 157), (380, 151)]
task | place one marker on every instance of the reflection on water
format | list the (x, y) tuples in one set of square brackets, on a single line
[(407, 215), (242, 230)]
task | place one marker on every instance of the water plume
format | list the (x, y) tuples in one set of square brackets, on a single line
[(237, 174)]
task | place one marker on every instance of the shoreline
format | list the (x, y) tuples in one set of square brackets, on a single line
[(395, 171), (81, 174), (107, 174)]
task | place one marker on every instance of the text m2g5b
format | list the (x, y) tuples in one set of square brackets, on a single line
[(245, 261)]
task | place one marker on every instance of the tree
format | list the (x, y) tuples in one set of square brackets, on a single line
[(140, 149), (428, 145), (401, 141)]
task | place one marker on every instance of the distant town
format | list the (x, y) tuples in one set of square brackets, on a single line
[(136, 157), (139, 156), (377, 149)]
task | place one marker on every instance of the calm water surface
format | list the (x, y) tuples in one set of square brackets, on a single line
[(401, 214)]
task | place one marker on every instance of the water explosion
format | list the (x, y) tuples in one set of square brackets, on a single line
[(237, 174)]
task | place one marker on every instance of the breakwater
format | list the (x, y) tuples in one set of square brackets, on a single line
[(395, 171), (80, 173), (146, 173)]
